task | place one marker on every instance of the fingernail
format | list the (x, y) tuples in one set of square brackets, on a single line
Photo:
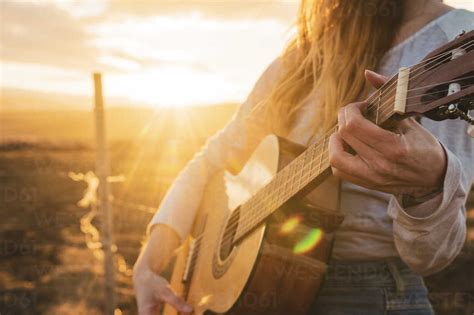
[(367, 71), (374, 73)]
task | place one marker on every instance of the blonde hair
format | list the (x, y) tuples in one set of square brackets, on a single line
[(336, 41)]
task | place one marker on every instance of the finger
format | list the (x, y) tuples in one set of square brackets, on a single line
[(355, 126), (375, 79), (353, 142), (168, 296), (343, 161)]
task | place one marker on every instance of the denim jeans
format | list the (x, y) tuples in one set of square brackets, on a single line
[(372, 288)]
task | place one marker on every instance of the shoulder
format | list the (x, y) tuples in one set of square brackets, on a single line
[(276, 69), (455, 22), (268, 79)]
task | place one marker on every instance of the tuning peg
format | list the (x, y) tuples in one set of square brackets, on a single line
[(466, 117), (454, 112)]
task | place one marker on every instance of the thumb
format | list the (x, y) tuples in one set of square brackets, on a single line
[(170, 297), (375, 79)]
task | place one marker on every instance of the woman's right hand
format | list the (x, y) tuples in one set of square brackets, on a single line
[(151, 289)]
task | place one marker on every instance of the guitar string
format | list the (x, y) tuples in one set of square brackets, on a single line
[(250, 210), (432, 93), (422, 64), (325, 160), (324, 152), (260, 203), (198, 240), (421, 103), (382, 104), (466, 45), (374, 96), (445, 82), (383, 112), (438, 91), (419, 95)]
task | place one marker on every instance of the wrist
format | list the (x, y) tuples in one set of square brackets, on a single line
[(434, 181)]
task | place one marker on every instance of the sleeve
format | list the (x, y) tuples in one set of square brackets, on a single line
[(430, 235), (228, 149)]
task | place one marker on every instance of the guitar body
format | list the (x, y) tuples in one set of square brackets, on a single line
[(262, 274)]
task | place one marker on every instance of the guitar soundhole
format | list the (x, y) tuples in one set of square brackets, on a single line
[(227, 241)]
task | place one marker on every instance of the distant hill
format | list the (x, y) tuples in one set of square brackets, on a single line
[(37, 116), (122, 123)]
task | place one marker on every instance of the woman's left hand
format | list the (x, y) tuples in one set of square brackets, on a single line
[(407, 160)]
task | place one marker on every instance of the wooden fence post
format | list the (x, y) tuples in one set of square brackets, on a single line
[(102, 171)]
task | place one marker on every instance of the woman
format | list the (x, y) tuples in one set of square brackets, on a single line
[(404, 190)]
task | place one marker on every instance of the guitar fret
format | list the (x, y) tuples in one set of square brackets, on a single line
[(379, 101), (312, 166), (289, 178), (323, 150), (299, 173), (312, 150), (306, 171)]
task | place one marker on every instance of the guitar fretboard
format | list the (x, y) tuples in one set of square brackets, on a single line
[(309, 166)]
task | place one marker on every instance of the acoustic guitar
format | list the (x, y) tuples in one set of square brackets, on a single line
[(257, 245)]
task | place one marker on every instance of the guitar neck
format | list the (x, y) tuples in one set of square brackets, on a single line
[(309, 167)]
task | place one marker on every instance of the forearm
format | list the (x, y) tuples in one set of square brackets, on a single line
[(165, 239)]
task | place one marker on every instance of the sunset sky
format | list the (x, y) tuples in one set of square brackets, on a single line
[(155, 53)]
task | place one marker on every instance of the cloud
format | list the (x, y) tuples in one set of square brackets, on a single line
[(203, 45), (44, 34), (53, 33), (168, 46), (224, 9)]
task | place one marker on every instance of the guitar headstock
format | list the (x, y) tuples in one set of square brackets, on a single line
[(442, 85)]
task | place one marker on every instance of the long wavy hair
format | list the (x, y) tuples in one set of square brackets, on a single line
[(336, 41)]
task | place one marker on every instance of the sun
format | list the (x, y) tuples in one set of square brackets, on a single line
[(170, 86)]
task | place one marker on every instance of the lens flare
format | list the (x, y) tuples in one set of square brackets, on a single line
[(310, 241), (205, 299), (289, 225)]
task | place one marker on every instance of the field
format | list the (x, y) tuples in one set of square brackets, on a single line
[(50, 262)]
